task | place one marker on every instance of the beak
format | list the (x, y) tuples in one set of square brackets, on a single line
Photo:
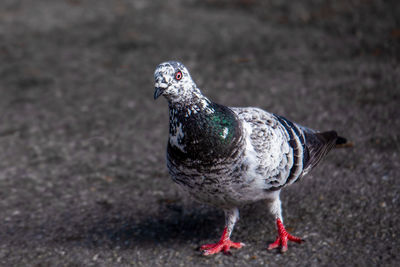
[(158, 92), (160, 86)]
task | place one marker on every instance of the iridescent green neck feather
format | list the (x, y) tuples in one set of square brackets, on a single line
[(208, 134)]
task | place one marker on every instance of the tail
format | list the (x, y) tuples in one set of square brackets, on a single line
[(342, 142), (318, 144)]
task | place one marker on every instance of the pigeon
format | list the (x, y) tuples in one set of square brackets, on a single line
[(230, 156)]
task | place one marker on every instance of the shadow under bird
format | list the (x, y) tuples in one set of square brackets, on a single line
[(230, 156)]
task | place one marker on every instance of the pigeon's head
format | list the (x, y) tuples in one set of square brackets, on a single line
[(173, 81)]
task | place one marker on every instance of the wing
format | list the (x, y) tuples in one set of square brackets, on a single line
[(309, 147), (285, 151), (268, 151)]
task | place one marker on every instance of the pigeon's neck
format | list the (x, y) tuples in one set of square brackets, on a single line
[(191, 99)]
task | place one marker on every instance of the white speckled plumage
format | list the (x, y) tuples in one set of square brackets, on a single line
[(227, 157)]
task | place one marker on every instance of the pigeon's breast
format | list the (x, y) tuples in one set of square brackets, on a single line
[(205, 155), (203, 138)]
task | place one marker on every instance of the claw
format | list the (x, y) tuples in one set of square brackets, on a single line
[(283, 238), (224, 245)]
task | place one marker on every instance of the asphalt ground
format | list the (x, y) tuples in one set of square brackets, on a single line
[(83, 179)]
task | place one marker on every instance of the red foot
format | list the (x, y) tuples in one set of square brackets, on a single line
[(223, 245), (283, 238)]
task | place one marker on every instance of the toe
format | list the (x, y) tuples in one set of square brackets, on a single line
[(236, 245), (273, 246), (224, 246), (284, 249), (207, 246), (295, 239), (213, 250)]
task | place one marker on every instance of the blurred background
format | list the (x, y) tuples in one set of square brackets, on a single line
[(83, 180)]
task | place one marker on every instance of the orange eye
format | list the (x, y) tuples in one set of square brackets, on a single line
[(178, 75)]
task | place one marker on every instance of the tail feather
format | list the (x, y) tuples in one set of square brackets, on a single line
[(342, 142), (318, 145)]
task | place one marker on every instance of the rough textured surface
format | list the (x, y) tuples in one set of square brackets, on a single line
[(82, 143)]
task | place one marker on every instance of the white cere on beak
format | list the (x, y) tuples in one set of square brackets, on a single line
[(161, 85)]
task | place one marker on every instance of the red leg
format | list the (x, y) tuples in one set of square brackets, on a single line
[(224, 245), (283, 237)]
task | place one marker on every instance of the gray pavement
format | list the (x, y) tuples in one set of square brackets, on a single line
[(83, 180)]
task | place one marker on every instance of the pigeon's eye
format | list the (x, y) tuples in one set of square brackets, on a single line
[(178, 75)]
